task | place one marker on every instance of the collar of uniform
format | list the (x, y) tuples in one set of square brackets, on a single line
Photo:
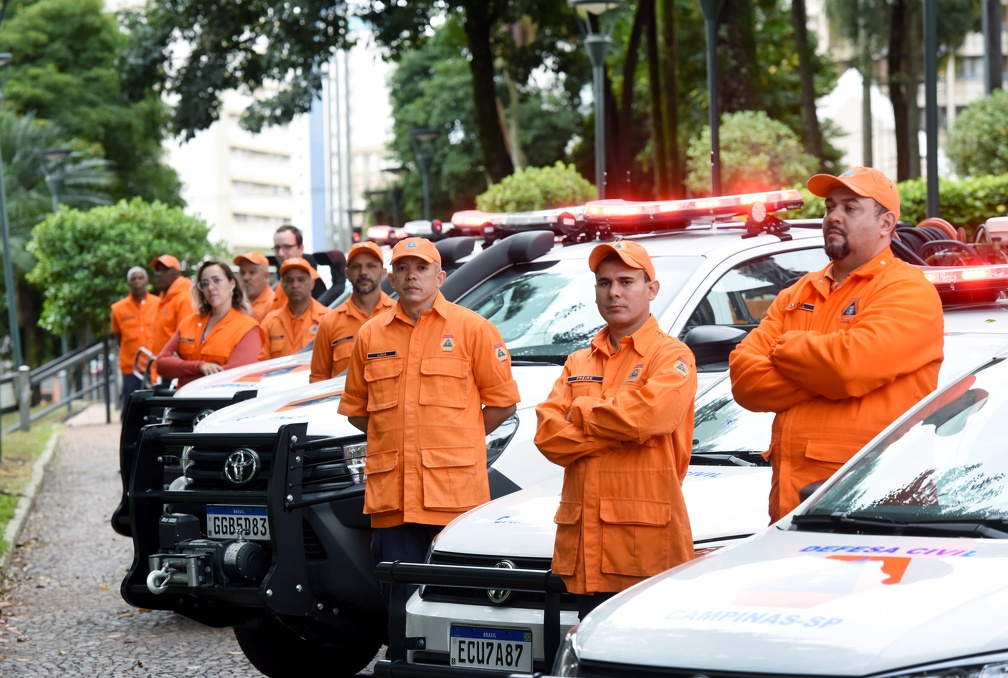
[(440, 306), (875, 265), (640, 340)]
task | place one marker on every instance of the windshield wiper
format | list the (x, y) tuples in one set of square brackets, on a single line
[(733, 458), (990, 528)]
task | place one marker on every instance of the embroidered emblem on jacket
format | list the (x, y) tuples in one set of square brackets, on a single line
[(383, 354), (681, 366), (447, 345), (501, 352), (583, 377)]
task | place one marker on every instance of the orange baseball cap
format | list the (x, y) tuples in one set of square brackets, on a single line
[(631, 253), (298, 262), (416, 247), (867, 182), (166, 260), (257, 258), (364, 247)]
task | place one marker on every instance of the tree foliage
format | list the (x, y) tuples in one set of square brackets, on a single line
[(977, 142), (82, 257), (65, 70), (537, 188), (757, 154)]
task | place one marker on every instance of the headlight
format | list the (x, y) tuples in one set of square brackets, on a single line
[(355, 454), (498, 439), (965, 668), (566, 662)]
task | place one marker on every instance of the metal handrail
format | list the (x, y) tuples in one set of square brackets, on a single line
[(71, 368)]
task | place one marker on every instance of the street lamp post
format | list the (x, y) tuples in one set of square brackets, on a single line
[(597, 46), (711, 10), (422, 140), (15, 333), (395, 190)]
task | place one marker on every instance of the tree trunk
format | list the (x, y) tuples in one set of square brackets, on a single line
[(620, 145), (739, 88), (655, 81), (669, 67), (898, 85), (813, 133), (496, 157)]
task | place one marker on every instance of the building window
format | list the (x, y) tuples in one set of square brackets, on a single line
[(249, 154), (257, 188)]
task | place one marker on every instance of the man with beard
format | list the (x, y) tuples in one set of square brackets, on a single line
[(365, 270), (845, 350)]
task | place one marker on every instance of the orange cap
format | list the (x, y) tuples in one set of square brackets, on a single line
[(867, 182), (416, 247), (166, 260), (257, 258), (631, 253), (298, 262), (366, 247)]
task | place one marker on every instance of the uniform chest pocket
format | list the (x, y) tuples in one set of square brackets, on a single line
[(382, 377), (586, 388), (445, 382)]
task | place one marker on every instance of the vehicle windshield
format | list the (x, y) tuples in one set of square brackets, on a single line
[(725, 432), (948, 462), (546, 310)]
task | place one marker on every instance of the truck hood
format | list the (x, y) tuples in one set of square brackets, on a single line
[(840, 604), (719, 499), (316, 403), (273, 375)]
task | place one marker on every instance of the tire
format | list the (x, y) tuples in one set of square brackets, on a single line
[(277, 651)]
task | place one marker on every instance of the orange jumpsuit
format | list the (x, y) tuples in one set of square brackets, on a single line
[(262, 304), (838, 366), (625, 452), (219, 346), (176, 304), (335, 337), (422, 388), (285, 334), (134, 323)]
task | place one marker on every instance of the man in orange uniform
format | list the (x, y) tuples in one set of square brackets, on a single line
[(291, 328), (253, 268), (845, 350), (427, 381), (365, 270), (133, 319), (176, 299), (619, 420), (288, 243)]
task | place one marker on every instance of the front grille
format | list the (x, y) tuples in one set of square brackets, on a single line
[(468, 596)]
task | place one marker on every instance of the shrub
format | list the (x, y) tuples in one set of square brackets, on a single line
[(977, 142), (537, 188)]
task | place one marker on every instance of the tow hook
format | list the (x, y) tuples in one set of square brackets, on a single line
[(157, 581), (206, 562)]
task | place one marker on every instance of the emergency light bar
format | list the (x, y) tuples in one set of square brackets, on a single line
[(562, 219), (625, 216), (476, 222), (958, 285)]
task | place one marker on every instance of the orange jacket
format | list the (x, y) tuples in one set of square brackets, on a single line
[(285, 334), (422, 388), (263, 304), (134, 325), (218, 346), (625, 452), (335, 337), (176, 303), (838, 366)]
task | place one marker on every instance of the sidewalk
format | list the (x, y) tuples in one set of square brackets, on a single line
[(90, 416)]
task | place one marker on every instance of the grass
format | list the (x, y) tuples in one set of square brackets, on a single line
[(19, 451)]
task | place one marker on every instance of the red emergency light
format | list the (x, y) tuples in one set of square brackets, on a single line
[(645, 216)]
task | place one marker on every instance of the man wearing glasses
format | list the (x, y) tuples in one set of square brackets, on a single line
[(287, 243)]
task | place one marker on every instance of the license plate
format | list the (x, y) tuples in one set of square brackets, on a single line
[(228, 522), (503, 649)]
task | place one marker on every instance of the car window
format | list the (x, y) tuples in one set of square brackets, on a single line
[(742, 296), (946, 462), (546, 310), (724, 430)]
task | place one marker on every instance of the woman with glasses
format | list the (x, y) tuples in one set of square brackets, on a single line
[(219, 336)]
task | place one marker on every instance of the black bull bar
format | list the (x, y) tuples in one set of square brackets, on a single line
[(473, 577)]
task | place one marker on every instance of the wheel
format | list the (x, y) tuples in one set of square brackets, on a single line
[(277, 651)]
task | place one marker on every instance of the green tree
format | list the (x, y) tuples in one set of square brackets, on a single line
[(757, 154), (82, 258), (537, 188), (65, 69), (977, 142), (86, 182)]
